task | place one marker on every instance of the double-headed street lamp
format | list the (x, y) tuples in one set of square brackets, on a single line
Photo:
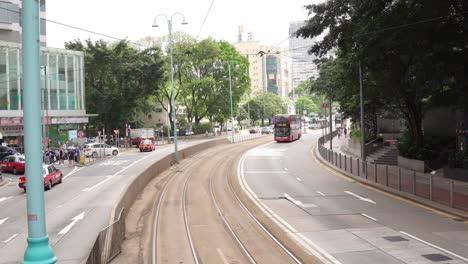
[(174, 118)]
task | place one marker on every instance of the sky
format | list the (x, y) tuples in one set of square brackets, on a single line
[(267, 19)]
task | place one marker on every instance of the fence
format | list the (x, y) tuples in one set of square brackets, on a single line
[(434, 188), (109, 242), (239, 138)]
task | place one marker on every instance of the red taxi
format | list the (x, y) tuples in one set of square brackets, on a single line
[(13, 164), (50, 174), (146, 145)]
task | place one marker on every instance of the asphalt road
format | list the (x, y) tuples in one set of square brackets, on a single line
[(344, 221), (90, 192)]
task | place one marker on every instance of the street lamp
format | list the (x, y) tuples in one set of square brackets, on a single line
[(174, 117), (230, 95)]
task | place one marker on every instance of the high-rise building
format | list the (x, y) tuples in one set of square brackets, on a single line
[(302, 64), (10, 21)]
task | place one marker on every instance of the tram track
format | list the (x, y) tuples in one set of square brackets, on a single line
[(199, 217)]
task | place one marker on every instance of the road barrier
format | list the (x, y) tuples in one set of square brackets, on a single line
[(240, 138), (109, 240), (431, 188)]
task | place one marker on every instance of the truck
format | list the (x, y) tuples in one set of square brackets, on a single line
[(138, 134)]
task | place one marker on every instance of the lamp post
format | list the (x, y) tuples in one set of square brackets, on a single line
[(174, 116), (230, 95), (38, 250)]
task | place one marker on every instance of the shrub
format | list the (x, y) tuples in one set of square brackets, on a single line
[(202, 128)]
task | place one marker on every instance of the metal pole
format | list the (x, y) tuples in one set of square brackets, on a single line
[(230, 95), (331, 128), (174, 116), (38, 250), (361, 94)]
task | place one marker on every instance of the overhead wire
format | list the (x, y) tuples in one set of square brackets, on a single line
[(204, 20)]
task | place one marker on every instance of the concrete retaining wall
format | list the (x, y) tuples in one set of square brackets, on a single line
[(411, 164)]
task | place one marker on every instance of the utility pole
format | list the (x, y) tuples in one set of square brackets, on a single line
[(361, 95), (230, 95), (38, 250)]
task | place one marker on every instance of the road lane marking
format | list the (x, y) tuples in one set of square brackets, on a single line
[(305, 242), (360, 197), (285, 169), (3, 220), (297, 202), (299, 179), (434, 246), (11, 238), (73, 222), (321, 193), (370, 217), (221, 255), (76, 169), (115, 174), (2, 199)]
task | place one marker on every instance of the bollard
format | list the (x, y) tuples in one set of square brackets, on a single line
[(430, 187), (414, 182), (367, 170), (340, 160), (451, 193), (399, 178), (345, 163), (351, 164)]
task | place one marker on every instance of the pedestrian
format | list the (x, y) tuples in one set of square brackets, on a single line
[(61, 156), (71, 156), (77, 154), (345, 131)]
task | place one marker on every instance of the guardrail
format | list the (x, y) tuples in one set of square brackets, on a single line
[(445, 192), (240, 138)]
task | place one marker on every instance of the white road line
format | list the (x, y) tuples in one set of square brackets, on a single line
[(3, 220), (73, 222), (305, 242), (370, 217), (115, 174), (299, 179), (76, 169), (297, 202), (11, 238), (2, 199), (434, 246), (221, 255), (265, 172), (321, 193), (285, 169), (360, 197)]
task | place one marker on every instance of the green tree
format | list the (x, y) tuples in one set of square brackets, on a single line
[(306, 103), (267, 105), (411, 51), (118, 78)]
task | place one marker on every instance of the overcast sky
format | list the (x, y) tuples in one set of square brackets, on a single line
[(267, 19)]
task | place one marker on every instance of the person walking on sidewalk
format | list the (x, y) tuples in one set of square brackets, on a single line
[(345, 131)]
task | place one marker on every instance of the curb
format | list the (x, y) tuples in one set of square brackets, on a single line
[(3, 181), (392, 192)]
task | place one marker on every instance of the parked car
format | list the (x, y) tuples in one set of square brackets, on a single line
[(266, 130), (97, 149), (13, 163), (146, 145), (6, 151), (50, 174)]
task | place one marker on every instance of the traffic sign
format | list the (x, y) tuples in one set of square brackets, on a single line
[(116, 131), (81, 133), (325, 105)]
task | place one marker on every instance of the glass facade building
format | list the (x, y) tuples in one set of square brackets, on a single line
[(62, 85)]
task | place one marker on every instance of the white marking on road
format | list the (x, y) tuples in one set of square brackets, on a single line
[(434, 246), (221, 255), (285, 169), (299, 179), (115, 174), (3, 220), (297, 202), (2, 199), (73, 222), (11, 238), (266, 172), (360, 197), (370, 217), (76, 169), (321, 193), (305, 242), (113, 162)]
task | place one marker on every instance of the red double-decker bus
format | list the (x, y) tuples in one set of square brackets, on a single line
[(288, 128)]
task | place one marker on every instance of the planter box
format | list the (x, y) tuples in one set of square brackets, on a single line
[(411, 164)]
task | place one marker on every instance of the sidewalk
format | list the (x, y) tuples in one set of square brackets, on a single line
[(432, 190)]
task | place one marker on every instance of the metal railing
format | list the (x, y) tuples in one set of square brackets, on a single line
[(109, 242), (444, 191), (240, 138)]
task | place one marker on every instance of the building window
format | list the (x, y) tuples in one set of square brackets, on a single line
[(13, 76), (9, 13)]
